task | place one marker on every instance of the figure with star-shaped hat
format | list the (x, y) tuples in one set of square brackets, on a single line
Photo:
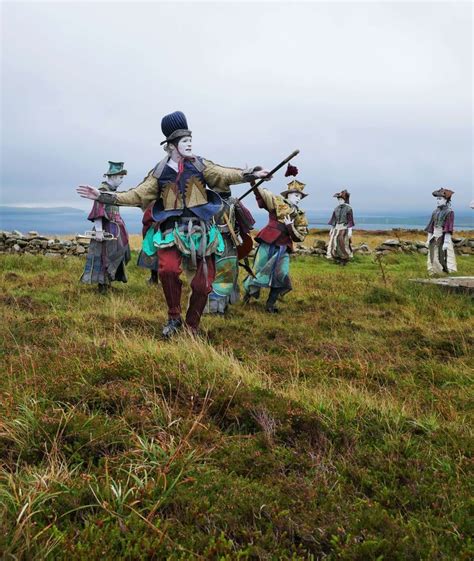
[(108, 251), (287, 224), (182, 193)]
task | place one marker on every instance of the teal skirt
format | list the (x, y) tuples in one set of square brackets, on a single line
[(271, 269), (186, 243)]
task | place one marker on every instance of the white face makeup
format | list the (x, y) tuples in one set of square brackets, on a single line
[(294, 198), (340, 200), (185, 146), (114, 180), (440, 201)]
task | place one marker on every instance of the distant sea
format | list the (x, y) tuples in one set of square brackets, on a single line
[(66, 220)]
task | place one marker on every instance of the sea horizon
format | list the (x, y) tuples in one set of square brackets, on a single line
[(71, 220)]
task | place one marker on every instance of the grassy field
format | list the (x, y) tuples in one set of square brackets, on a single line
[(339, 429)]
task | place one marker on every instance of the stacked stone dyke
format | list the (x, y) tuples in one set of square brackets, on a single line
[(462, 246), (33, 243), (320, 247)]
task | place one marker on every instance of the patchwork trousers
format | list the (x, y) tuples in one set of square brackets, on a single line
[(169, 271)]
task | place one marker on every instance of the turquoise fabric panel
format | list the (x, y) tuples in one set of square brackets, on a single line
[(147, 244), (154, 240)]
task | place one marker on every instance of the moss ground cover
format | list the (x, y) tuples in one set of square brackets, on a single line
[(339, 429)]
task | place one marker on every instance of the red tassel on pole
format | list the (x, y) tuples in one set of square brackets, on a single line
[(291, 170)]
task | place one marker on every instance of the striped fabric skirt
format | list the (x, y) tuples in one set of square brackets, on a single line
[(440, 260), (339, 246)]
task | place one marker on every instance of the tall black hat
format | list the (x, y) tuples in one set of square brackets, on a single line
[(174, 126)]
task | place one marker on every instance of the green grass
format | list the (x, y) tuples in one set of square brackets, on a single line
[(340, 429)]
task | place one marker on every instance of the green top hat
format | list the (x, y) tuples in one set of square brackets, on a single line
[(116, 168)]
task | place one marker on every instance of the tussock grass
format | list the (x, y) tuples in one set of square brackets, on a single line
[(340, 429)]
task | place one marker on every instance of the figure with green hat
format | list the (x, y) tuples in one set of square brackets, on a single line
[(182, 190), (287, 224), (109, 250)]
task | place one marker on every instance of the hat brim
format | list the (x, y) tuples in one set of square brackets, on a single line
[(286, 193), (180, 133), (443, 194), (123, 172)]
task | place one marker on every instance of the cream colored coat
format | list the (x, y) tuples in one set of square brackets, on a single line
[(218, 178)]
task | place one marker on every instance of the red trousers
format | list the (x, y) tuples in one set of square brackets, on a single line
[(169, 270)]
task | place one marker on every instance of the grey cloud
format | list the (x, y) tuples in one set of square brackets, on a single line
[(377, 96)]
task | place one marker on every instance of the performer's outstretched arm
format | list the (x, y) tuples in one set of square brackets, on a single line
[(220, 178), (142, 195)]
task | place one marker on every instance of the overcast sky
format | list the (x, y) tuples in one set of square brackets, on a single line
[(377, 96)]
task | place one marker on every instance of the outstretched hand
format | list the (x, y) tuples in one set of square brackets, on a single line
[(263, 174), (287, 220), (88, 192)]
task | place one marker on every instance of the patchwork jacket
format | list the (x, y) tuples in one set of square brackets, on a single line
[(276, 231), (193, 188)]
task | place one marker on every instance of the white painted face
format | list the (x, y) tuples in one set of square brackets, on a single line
[(340, 200), (294, 198), (185, 146), (114, 180), (440, 201)]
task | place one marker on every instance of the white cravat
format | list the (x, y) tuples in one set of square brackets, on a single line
[(173, 164)]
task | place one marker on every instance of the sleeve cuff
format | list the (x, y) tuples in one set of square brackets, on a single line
[(249, 173), (107, 198)]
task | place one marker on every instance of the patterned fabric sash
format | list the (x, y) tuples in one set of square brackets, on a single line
[(439, 215)]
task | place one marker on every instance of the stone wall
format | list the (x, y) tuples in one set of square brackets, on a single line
[(462, 246), (319, 249), (35, 244)]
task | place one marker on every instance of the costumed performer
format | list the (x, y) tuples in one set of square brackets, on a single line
[(184, 190), (441, 256), (106, 258), (341, 222), (287, 224)]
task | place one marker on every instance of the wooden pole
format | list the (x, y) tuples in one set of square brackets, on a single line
[(274, 170)]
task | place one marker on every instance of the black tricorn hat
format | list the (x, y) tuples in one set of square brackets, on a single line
[(343, 195), (174, 126), (445, 193)]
